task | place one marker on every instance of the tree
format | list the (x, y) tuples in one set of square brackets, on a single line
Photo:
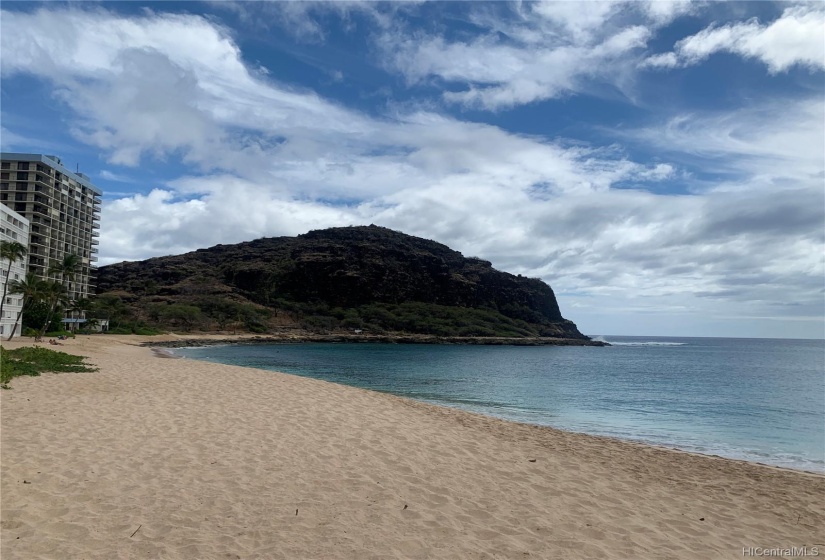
[(80, 305), (54, 294), (31, 288), (11, 251), (184, 315), (111, 308), (67, 269)]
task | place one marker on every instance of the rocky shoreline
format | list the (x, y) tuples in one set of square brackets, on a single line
[(366, 339)]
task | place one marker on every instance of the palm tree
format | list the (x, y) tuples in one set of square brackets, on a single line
[(66, 269), (31, 288), (11, 251), (54, 293)]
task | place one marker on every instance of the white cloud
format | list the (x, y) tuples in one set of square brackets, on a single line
[(797, 38), (164, 83), (776, 144), (663, 12), (117, 177), (304, 21), (538, 51)]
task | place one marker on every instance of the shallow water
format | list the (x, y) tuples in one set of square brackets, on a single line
[(755, 399)]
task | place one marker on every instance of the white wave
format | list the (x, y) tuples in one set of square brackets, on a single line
[(645, 343)]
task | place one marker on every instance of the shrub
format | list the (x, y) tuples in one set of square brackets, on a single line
[(146, 331), (33, 361)]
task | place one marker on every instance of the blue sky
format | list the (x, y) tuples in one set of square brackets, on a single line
[(660, 164)]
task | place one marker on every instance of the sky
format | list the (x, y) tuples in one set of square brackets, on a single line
[(660, 164)]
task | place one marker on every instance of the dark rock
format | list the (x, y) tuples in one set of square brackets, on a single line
[(368, 278)]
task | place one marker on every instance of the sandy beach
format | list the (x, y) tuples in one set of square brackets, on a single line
[(178, 459)]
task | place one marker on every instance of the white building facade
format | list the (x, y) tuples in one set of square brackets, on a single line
[(13, 227)]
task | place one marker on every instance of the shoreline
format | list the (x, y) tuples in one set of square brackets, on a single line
[(209, 460), (200, 340), (159, 346)]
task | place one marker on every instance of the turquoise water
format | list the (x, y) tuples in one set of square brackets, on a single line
[(754, 399)]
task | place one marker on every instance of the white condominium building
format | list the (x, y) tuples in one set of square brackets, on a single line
[(63, 209), (13, 227)]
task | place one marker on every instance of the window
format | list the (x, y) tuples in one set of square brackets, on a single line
[(5, 165), (22, 176), (4, 176), (8, 301), (23, 165)]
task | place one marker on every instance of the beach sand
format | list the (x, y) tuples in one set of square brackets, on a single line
[(175, 458)]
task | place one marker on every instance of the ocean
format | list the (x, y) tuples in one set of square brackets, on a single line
[(760, 400)]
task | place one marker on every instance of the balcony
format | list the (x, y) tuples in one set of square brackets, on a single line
[(95, 242)]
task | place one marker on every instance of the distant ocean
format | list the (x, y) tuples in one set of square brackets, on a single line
[(760, 400)]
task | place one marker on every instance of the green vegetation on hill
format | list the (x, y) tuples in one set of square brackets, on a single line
[(334, 280)]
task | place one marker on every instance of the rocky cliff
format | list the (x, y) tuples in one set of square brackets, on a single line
[(338, 280)]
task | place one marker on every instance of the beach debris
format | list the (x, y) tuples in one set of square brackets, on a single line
[(26, 482), (296, 512), (532, 460), (701, 519), (136, 530), (405, 506)]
